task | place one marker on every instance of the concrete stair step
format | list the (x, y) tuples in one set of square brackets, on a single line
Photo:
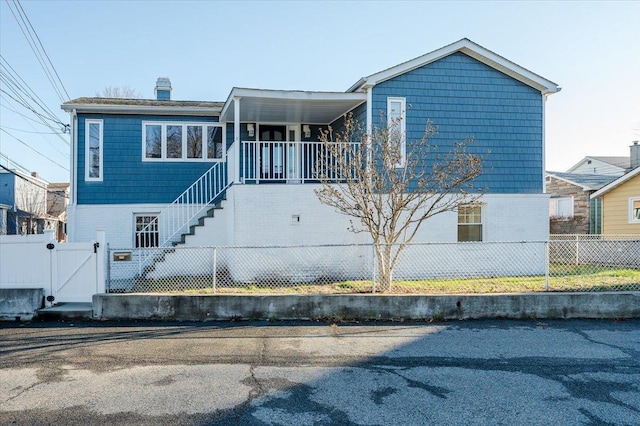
[(70, 310)]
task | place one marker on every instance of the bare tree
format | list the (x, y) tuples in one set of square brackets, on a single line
[(390, 186), (30, 199), (121, 92)]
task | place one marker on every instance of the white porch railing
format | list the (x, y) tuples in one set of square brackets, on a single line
[(279, 162), (179, 215)]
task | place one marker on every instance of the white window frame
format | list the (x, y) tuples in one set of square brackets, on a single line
[(135, 228), (632, 218), (481, 223), (403, 126), (184, 125), (87, 150), (553, 206)]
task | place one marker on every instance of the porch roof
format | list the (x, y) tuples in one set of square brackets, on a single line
[(289, 106)]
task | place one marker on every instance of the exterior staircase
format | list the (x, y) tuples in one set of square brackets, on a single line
[(184, 215)]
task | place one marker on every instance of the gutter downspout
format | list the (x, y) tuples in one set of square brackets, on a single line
[(544, 147), (73, 178)]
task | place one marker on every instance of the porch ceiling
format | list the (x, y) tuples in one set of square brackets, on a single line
[(281, 106)]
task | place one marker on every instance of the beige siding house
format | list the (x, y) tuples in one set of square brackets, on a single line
[(621, 204)]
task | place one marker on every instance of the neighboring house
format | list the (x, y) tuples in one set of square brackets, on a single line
[(612, 166), (620, 201), (57, 200), (4, 209), (571, 210), (254, 154), (26, 197)]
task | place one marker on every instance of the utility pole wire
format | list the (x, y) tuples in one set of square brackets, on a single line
[(44, 51), (35, 150), (19, 82), (32, 44)]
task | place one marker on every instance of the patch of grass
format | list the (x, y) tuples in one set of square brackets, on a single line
[(562, 278)]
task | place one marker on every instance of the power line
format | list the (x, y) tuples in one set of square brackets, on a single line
[(27, 131), (36, 151), (42, 121), (33, 183), (65, 155), (32, 44), (23, 86), (17, 99), (43, 50)]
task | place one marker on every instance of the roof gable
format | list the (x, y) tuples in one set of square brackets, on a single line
[(616, 183), (471, 49), (610, 164)]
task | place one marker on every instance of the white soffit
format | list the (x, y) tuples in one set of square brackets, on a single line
[(282, 106)]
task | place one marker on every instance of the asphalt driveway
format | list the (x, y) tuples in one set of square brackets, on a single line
[(477, 372)]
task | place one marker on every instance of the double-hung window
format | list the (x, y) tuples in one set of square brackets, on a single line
[(93, 150), (397, 127), (470, 222), (182, 141), (634, 210), (561, 207)]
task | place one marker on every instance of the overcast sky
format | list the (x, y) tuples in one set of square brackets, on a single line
[(591, 49)]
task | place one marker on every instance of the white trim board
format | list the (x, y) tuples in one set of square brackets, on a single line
[(471, 49)]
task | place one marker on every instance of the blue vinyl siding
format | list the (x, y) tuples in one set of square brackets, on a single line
[(8, 189), (359, 114), (466, 98), (127, 179)]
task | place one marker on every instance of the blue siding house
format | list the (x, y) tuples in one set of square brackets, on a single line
[(146, 170)]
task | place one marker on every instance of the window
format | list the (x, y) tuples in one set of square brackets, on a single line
[(397, 125), (214, 142), (182, 141), (470, 222), (561, 207), (93, 150), (146, 234), (634, 210)]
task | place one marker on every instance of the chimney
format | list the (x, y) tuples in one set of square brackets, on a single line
[(634, 159), (35, 175), (163, 89)]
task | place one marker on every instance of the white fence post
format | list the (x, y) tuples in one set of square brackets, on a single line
[(215, 267), (546, 265), (50, 238), (101, 241)]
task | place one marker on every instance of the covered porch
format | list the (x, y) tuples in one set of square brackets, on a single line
[(276, 133)]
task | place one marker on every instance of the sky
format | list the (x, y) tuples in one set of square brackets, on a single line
[(591, 49)]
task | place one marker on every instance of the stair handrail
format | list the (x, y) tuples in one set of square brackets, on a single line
[(188, 205)]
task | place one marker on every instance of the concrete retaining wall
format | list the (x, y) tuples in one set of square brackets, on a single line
[(20, 303), (366, 307)]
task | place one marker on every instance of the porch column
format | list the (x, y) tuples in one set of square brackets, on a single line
[(369, 90), (236, 139)]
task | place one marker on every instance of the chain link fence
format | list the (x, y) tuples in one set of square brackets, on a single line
[(564, 263)]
